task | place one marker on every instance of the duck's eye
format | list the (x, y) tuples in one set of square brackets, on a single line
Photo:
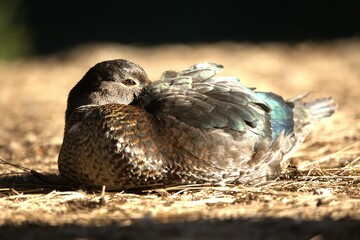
[(129, 82)]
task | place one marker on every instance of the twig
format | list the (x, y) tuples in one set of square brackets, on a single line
[(40, 176), (2, 161)]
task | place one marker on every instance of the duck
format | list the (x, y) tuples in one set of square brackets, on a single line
[(124, 131)]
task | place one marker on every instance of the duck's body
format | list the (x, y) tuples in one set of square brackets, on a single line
[(189, 127)]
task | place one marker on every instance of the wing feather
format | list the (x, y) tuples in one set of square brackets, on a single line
[(198, 98)]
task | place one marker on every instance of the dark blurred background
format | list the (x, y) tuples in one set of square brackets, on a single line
[(42, 27)]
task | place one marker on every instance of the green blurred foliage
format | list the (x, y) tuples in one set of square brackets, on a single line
[(15, 38)]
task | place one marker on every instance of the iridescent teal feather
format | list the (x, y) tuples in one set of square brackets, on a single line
[(282, 117)]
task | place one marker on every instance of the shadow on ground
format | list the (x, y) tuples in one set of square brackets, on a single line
[(265, 228), (33, 182)]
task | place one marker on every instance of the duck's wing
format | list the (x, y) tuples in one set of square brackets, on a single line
[(198, 98)]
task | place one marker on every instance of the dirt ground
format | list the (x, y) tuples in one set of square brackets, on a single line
[(317, 198)]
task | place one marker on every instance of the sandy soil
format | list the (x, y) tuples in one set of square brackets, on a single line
[(318, 198)]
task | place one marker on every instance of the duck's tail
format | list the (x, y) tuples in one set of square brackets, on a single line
[(306, 114), (320, 108), (291, 122)]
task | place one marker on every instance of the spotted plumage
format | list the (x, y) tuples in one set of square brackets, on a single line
[(124, 131)]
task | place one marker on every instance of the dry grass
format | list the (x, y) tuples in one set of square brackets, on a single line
[(318, 197)]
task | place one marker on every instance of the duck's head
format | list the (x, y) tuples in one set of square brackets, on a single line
[(115, 81)]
